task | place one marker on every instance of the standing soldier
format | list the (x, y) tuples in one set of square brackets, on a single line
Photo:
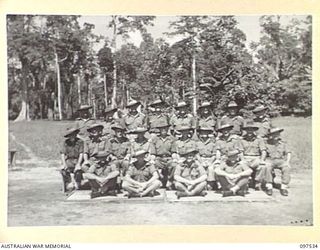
[(119, 148), (233, 118), (206, 144), (161, 148), (97, 143), (226, 141), (109, 120), (205, 116), (190, 177), (133, 118), (233, 175), (157, 115), (102, 176), (263, 120), (278, 158), (142, 178), (182, 117), (84, 121), (71, 157), (254, 153)]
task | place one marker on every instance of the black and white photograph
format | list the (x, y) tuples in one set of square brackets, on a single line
[(159, 120)]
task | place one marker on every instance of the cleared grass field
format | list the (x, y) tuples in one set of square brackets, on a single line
[(44, 138)]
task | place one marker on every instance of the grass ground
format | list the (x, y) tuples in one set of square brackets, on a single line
[(35, 198)]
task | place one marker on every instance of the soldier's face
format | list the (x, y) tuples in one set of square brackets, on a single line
[(226, 132), (109, 117), (140, 135), (96, 132), (190, 157), (205, 111), (119, 132), (250, 132), (85, 114), (233, 158), (73, 137), (133, 110), (157, 109), (163, 131), (204, 135), (232, 111), (260, 114), (182, 111), (275, 137)]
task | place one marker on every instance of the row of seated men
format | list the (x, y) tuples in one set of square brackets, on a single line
[(188, 159)]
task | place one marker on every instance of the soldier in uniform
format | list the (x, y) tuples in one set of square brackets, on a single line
[(254, 153), (161, 148), (142, 178), (140, 141), (206, 144), (233, 118), (157, 115), (262, 119), (226, 141), (84, 121), (109, 120), (233, 175), (278, 158), (190, 177), (97, 143), (119, 148), (182, 117), (102, 176), (205, 116), (133, 118), (71, 157)]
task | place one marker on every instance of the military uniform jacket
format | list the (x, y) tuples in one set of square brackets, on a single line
[(190, 172), (141, 173), (224, 145), (119, 147), (208, 148), (236, 121), (139, 145), (279, 150), (72, 150), (92, 147), (252, 146), (162, 147), (179, 147), (210, 122), (153, 120), (102, 171), (188, 120), (134, 121)]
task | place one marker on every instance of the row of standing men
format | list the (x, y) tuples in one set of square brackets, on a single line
[(140, 153)]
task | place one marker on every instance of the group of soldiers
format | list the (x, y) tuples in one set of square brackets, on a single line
[(140, 153)]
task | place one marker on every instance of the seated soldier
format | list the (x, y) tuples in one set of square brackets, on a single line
[(142, 178), (97, 143), (226, 141), (190, 177), (140, 141), (232, 117), (206, 144), (161, 148), (278, 158), (119, 148), (206, 117), (233, 175), (254, 153), (71, 157), (262, 120), (109, 120), (102, 176)]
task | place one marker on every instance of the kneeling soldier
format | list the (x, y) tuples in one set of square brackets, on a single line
[(142, 178), (207, 153), (254, 153), (71, 156), (190, 177), (102, 176), (233, 175), (278, 158)]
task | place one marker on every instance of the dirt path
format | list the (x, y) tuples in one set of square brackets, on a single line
[(35, 199)]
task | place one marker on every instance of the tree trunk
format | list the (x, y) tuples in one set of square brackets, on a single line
[(59, 86), (105, 90), (114, 91), (79, 88), (194, 83), (24, 112)]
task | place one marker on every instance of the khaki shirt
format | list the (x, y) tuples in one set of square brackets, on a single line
[(153, 120), (91, 147), (231, 143), (192, 172), (208, 148), (210, 121), (264, 126), (278, 150), (180, 147), (237, 122), (119, 147), (252, 147), (141, 174), (102, 171), (145, 145), (72, 150), (162, 146), (188, 120), (134, 121)]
